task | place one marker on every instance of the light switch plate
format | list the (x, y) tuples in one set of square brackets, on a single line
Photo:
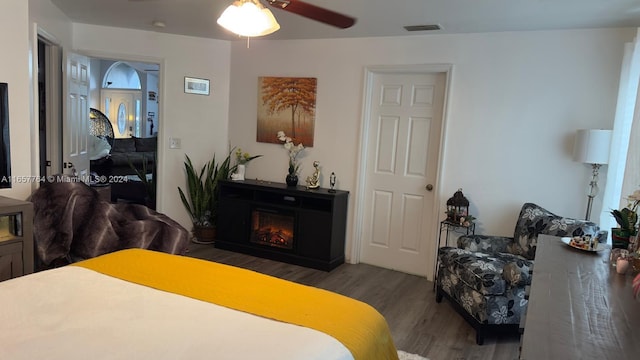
[(175, 143)]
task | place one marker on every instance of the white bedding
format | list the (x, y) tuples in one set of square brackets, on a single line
[(76, 313)]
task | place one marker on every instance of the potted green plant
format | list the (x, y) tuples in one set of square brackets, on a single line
[(627, 219), (201, 198)]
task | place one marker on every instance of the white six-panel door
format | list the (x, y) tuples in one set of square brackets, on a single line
[(405, 119), (75, 125)]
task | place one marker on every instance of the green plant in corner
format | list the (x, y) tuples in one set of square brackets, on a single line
[(149, 183), (201, 196)]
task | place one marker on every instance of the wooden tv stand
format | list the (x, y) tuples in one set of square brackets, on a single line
[(319, 221)]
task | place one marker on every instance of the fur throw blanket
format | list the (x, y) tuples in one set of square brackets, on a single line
[(71, 223)]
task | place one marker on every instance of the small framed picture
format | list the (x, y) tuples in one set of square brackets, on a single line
[(196, 86)]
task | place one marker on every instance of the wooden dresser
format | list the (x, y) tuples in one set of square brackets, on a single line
[(579, 307), (16, 238)]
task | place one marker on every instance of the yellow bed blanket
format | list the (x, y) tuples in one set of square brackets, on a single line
[(356, 325)]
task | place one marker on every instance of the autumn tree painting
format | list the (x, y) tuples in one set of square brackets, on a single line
[(286, 104)]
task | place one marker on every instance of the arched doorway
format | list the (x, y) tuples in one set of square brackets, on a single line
[(126, 92), (121, 100)]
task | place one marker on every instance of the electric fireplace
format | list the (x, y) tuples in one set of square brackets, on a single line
[(273, 227), (284, 223)]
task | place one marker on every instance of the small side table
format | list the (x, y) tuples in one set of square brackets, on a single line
[(448, 227)]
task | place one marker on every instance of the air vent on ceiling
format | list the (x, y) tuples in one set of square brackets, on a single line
[(422, 27)]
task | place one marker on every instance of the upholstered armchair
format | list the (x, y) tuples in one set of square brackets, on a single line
[(485, 277)]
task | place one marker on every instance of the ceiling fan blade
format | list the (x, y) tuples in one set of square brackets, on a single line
[(315, 13)]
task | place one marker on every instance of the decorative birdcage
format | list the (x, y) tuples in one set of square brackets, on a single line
[(100, 126), (457, 207)]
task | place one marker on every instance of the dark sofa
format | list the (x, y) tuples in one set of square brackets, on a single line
[(132, 151)]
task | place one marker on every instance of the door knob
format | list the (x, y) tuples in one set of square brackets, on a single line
[(429, 187)]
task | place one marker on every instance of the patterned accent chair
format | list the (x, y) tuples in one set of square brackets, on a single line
[(485, 276)]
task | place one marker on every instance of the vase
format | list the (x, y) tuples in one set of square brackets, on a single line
[(292, 179), (622, 265), (619, 238), (239, 174), (204, 234)]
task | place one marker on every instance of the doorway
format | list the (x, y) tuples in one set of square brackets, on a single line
[(49, 108), (123, 108), (402, 133), (126, 92), (128, 95)]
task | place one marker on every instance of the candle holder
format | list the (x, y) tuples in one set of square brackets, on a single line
[(457, 207)]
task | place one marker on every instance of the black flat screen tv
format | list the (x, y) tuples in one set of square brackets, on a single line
[(5, 155)]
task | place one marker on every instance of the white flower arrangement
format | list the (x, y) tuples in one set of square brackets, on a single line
[(294, 151)]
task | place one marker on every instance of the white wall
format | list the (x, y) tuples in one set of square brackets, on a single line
[(14, 70), (52, 21), (200, 121), (516, 100)]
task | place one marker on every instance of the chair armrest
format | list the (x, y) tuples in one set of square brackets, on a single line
[(484, 243), (517, 273), (535, 220)]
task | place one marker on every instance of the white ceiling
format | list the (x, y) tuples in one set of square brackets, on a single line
[(374, 17)]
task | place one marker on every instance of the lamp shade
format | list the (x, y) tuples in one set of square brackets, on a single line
[(592, 146), (248, 18)]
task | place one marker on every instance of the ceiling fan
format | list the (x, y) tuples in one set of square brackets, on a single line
[(250, 18), (313, 12)]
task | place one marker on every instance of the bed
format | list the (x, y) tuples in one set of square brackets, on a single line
[(142, 304)]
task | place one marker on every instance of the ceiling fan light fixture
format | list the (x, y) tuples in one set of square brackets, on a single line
[(248, 18)]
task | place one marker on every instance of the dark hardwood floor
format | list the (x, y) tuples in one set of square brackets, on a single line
[(418, 324)]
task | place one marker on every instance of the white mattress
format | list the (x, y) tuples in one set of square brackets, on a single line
[(76, 313)]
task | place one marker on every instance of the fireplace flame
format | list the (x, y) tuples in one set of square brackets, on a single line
[(273, 229)]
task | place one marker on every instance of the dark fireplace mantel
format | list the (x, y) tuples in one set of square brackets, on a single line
[(251, 211)]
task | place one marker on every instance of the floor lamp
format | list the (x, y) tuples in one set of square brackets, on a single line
[(592, 147)]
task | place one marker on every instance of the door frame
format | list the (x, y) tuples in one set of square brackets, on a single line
[(369, 73), (133, 92), (94, 54), (53, 102)]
